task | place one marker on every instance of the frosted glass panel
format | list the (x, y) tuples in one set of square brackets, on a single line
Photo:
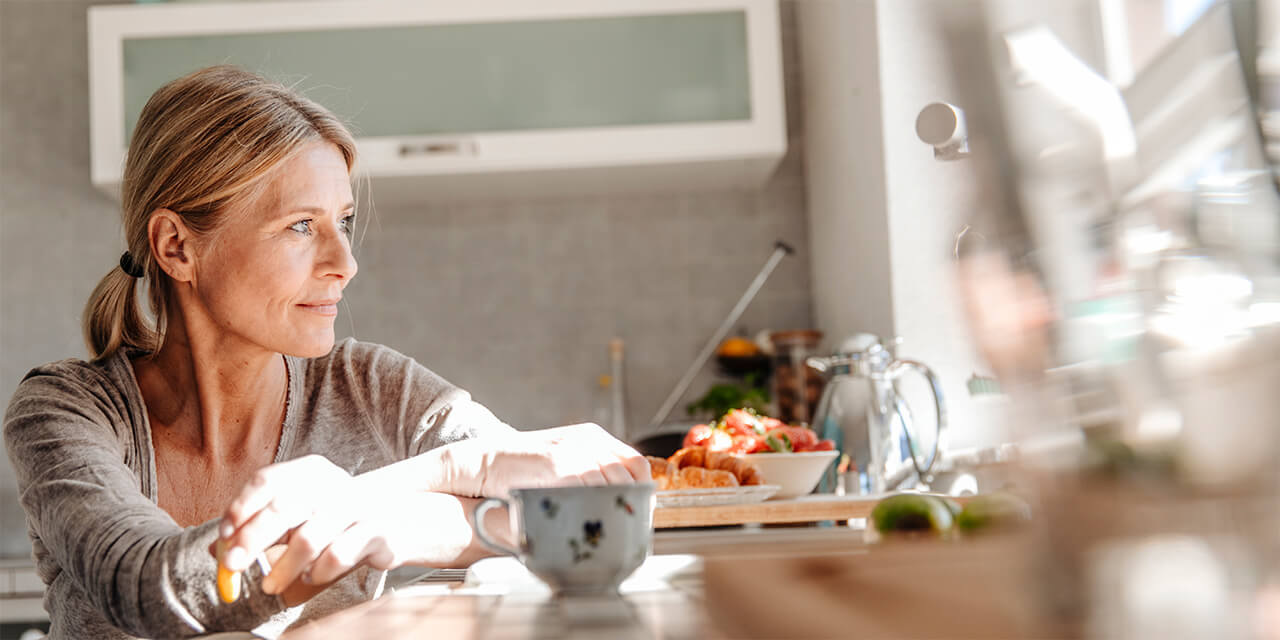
[(458, 78)]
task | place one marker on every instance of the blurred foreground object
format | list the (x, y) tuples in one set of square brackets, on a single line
[(1125, 285), (908, 590), (1127, 276)]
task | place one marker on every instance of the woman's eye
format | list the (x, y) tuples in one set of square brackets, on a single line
[(301, 226), (349, 224)]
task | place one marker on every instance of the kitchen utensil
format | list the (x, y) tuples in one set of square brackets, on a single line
[(780, 250), (864, 414), (578, 540)]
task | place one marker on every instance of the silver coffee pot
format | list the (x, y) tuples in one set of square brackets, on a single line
[(869, 420)]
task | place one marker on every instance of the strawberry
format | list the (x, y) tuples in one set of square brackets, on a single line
[(801, 438), (769, 424), (741, 444), (698, 436), (719, 441), (740, 422)]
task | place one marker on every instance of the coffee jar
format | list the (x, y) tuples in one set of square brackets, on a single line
[(796, 386)]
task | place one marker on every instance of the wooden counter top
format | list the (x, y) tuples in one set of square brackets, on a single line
[(812, 508)]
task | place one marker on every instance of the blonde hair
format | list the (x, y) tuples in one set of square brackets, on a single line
[(203, 142)]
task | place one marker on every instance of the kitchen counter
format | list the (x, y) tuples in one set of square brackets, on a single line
[(744, 582), (665, 598), (499, 599)]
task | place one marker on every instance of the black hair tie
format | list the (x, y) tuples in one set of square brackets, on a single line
[(129, 266)]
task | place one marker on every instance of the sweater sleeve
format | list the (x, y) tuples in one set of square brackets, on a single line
[(412, 409), (148, 576)]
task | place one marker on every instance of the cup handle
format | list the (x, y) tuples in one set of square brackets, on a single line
[(485, 538)]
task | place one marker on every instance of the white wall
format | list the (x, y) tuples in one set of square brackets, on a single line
[(883, 213), (845, 173)]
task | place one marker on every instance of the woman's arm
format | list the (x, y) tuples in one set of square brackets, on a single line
[(419, 529), (406, 407), (444, 441), (582, 454), (448, 545), (331, 523), (147, 575), (388, 518)]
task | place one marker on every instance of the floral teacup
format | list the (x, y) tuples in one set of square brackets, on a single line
[(578, 540)]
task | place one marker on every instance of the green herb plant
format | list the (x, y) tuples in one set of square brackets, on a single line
[(725, 396)]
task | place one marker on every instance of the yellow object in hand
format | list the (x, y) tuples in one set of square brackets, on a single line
[(228, 580)]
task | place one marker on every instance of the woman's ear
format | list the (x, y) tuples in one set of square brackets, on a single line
[(172, 245)]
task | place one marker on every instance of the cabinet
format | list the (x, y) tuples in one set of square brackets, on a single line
[(497, 97)]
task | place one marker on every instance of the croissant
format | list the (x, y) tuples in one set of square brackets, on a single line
[(745, 472), (699, 467), (720, 478), (702, 478), (663, 472), (689, 457)]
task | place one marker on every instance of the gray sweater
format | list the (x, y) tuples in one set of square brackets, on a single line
[(117, 566)]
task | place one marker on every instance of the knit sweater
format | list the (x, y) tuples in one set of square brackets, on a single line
[(117, 566)]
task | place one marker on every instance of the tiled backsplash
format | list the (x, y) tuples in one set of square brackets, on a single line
[(517, 303), (21, 594)]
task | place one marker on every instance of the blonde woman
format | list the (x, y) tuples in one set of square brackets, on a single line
[(230, 418)]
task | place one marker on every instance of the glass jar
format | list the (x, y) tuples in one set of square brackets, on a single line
[(796, 385)]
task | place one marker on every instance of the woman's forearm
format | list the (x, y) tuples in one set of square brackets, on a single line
[(424, 472), (440, 531), (454, 468), (445, 528), (492, 465), (420, 505)]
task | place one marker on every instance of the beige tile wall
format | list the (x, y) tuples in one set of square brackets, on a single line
[(515, 301)]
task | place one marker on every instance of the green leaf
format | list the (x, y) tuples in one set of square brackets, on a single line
[(779, 443), (724, 397)]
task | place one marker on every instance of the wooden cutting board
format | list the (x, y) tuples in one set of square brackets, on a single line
[(812, 508)]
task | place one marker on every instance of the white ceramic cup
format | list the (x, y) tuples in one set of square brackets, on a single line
[(578, 540)]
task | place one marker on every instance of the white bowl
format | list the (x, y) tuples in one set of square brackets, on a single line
[(796, 473)]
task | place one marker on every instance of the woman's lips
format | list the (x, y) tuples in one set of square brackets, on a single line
[(321, 309)]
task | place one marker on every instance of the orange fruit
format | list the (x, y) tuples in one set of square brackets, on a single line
[(737, 347)]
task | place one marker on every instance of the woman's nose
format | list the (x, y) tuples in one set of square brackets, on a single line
[(336, 257)]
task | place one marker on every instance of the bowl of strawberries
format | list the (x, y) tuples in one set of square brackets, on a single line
[(792, 457)]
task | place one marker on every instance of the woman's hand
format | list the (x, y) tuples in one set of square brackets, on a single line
[(301, 502), (328, 525), (582, 454), (316, 523)]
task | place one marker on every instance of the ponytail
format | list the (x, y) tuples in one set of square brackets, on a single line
[(113, 320)]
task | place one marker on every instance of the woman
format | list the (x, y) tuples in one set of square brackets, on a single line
[(233, 419)]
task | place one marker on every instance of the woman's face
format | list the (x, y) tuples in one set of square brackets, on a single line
[(274, 269)]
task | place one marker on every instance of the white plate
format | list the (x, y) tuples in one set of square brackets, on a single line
[(720, 495)]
